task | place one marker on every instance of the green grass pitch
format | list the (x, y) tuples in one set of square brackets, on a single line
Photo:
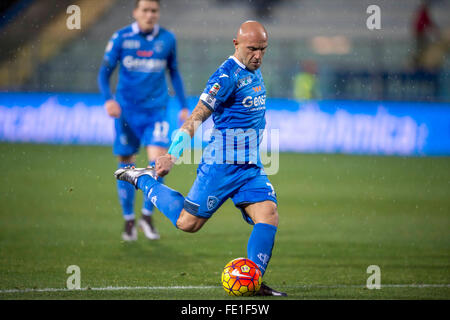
[(339, 214)]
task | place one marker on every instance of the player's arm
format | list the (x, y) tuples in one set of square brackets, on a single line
[(109, 63), (198, 116), (177, 82), (182, 139)]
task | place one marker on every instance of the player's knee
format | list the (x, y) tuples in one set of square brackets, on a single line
[(268, 213), (187, 226), (272, 216), (189, 223)]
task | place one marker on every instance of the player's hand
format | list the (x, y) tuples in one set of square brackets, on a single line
[(164, 164), (113, 108), (183, 115)]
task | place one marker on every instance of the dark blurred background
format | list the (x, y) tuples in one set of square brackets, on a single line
[(319, 49)]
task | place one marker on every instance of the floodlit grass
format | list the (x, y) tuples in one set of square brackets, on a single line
[(338, 215)]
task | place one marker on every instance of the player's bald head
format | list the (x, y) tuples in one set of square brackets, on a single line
[(250, 44), (251, 30)]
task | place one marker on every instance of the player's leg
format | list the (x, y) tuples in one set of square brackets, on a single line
[(155, 137), (170, 202), (146, 223), (126, 145), (126, 195), (209, 191), (190, 223), (258, 204), (260, 244)]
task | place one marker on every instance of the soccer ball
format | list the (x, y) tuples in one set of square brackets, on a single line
[(241, 277)]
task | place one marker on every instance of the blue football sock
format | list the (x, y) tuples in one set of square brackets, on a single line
[(147, 206), (168, 201), (126, 193), (260, 244)]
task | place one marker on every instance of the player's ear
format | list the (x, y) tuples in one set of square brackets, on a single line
[(236, 43)]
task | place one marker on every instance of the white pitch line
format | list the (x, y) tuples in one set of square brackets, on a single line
[(106, 289), (337, 286)]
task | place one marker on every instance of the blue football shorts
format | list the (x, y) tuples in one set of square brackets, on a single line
[(136, 128), (215, 183)]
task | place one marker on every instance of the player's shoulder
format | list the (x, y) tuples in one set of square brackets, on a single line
[(122, 33), (228, 70), (166, 34)]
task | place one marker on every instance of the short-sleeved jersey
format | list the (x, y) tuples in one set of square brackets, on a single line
[(237, 97), (143, 61)]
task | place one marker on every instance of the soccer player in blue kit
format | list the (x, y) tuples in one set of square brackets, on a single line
[(235, 96), (144, 51)]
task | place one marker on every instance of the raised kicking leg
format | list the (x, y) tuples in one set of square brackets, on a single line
[(170, 202)]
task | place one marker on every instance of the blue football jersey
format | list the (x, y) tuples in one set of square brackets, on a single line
[(237, 97), (143, 60)]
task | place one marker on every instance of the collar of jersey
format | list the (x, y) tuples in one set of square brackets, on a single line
[(240, 64), (151, 36)]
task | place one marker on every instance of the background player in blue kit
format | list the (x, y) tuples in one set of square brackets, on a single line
[(144, 51), (235, 96)]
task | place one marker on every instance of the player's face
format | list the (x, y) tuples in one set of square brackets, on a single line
[(251, 52), (146, 15)]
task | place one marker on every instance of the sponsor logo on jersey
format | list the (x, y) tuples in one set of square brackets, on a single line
[(144, 53), (131, 44), (244, 81), (259, 101), (257, 89), (144, 65)]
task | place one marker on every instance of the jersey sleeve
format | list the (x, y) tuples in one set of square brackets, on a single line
[(112, 51), (218, 89), (175, 76)]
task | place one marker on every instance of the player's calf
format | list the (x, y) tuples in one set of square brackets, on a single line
[(170, 202)]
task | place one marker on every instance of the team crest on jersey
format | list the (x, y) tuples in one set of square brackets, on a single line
[(158, 46), (212, 202), (214, 89), (244, 81)]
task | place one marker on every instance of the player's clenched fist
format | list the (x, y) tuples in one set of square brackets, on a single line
[(113, 108), (163, 164)]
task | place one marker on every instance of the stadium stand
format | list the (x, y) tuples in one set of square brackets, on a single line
[(47, 38), (331, 33)]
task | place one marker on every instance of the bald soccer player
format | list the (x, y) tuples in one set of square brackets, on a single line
[(235, 96)]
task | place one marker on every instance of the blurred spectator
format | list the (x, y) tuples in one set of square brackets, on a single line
[(306, 83), (424, 30)]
